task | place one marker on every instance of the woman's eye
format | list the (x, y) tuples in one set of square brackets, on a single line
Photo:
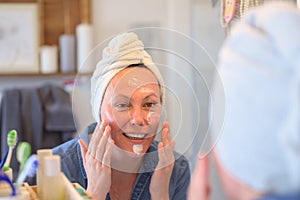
[(149, 105), (121, 106)]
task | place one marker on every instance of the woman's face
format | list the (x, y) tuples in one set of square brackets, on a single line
[(132, 107)]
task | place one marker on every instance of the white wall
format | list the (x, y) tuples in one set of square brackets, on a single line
[(206, 30), (111, 17)]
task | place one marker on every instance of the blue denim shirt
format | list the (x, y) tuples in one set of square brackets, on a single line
[(72, 167)]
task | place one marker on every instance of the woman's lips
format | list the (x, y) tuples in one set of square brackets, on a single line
[(135, 136)]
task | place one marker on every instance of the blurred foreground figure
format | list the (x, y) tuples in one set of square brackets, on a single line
[(258, 153)]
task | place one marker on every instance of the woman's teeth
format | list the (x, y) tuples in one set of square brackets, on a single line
[(135, 136)]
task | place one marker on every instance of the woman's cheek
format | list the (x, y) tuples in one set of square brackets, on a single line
[(108, 116), (153, 121)]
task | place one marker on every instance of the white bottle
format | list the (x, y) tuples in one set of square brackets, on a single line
[(53, 188), (41, 154)]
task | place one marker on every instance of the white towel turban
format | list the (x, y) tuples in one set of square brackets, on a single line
[(122, 51), (259, 65)]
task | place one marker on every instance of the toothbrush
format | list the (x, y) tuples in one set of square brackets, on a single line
[(23, 152), (4, 159), (29, 170), (11, 142), (5, 178)]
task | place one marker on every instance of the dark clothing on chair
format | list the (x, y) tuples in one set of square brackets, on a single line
[(41, 116)]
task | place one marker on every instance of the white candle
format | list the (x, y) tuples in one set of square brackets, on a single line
[(85, 40), (49, 59)]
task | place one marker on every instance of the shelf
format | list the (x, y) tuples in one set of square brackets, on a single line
[(40, 75)]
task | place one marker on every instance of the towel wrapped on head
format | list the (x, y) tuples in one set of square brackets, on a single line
[(259, 65), (122, 51)]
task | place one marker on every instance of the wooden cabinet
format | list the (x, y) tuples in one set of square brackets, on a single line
[(57, 17), (61, 17)]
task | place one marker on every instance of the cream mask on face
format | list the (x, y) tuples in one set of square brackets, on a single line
[(134, 82), (137, 94), (137, 148)]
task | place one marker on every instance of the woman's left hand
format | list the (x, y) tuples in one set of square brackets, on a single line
[(159, 185)]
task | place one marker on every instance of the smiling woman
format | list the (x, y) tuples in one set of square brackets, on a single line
[(131, 102), (119, 158)]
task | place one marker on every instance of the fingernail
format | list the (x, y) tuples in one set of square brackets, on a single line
[(112, 141), (106, 130), (201, 155), (166, 129)]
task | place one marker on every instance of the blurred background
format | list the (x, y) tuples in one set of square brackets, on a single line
[(49, 48)]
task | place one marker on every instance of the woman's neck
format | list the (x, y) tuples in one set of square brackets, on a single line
[(122, 185)]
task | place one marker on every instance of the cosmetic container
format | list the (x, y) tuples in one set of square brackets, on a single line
[(53, 187), (41, 154)]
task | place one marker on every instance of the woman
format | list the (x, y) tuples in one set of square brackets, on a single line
[(118, 157), (258, 155)]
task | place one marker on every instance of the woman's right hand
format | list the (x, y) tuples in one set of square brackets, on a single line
[(96, 161)]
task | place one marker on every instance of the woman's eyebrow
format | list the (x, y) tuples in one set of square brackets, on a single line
[(150, 95), (121, 96)]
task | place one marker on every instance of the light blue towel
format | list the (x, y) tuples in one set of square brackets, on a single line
[(259, 65)]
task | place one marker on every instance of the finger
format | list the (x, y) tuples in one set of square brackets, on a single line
[(98, 131), (83, 150), (164, 136), (169, 133), (161, 155), (107, 155), (169, 145), (199, 185), (100, 150), (170, 148), (97, 135), (169, 154), (173, 144), (202, 169), (201, 173), (91, 143)]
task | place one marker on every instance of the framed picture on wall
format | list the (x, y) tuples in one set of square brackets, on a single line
[(19, 38)]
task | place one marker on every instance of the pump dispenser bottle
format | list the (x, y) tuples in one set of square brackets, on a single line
[(41, 154), (53, 187)]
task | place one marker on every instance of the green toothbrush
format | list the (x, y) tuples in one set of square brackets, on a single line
[(11, 142), (23, 152)]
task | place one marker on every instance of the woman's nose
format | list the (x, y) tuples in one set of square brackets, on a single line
[(137, 117)]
